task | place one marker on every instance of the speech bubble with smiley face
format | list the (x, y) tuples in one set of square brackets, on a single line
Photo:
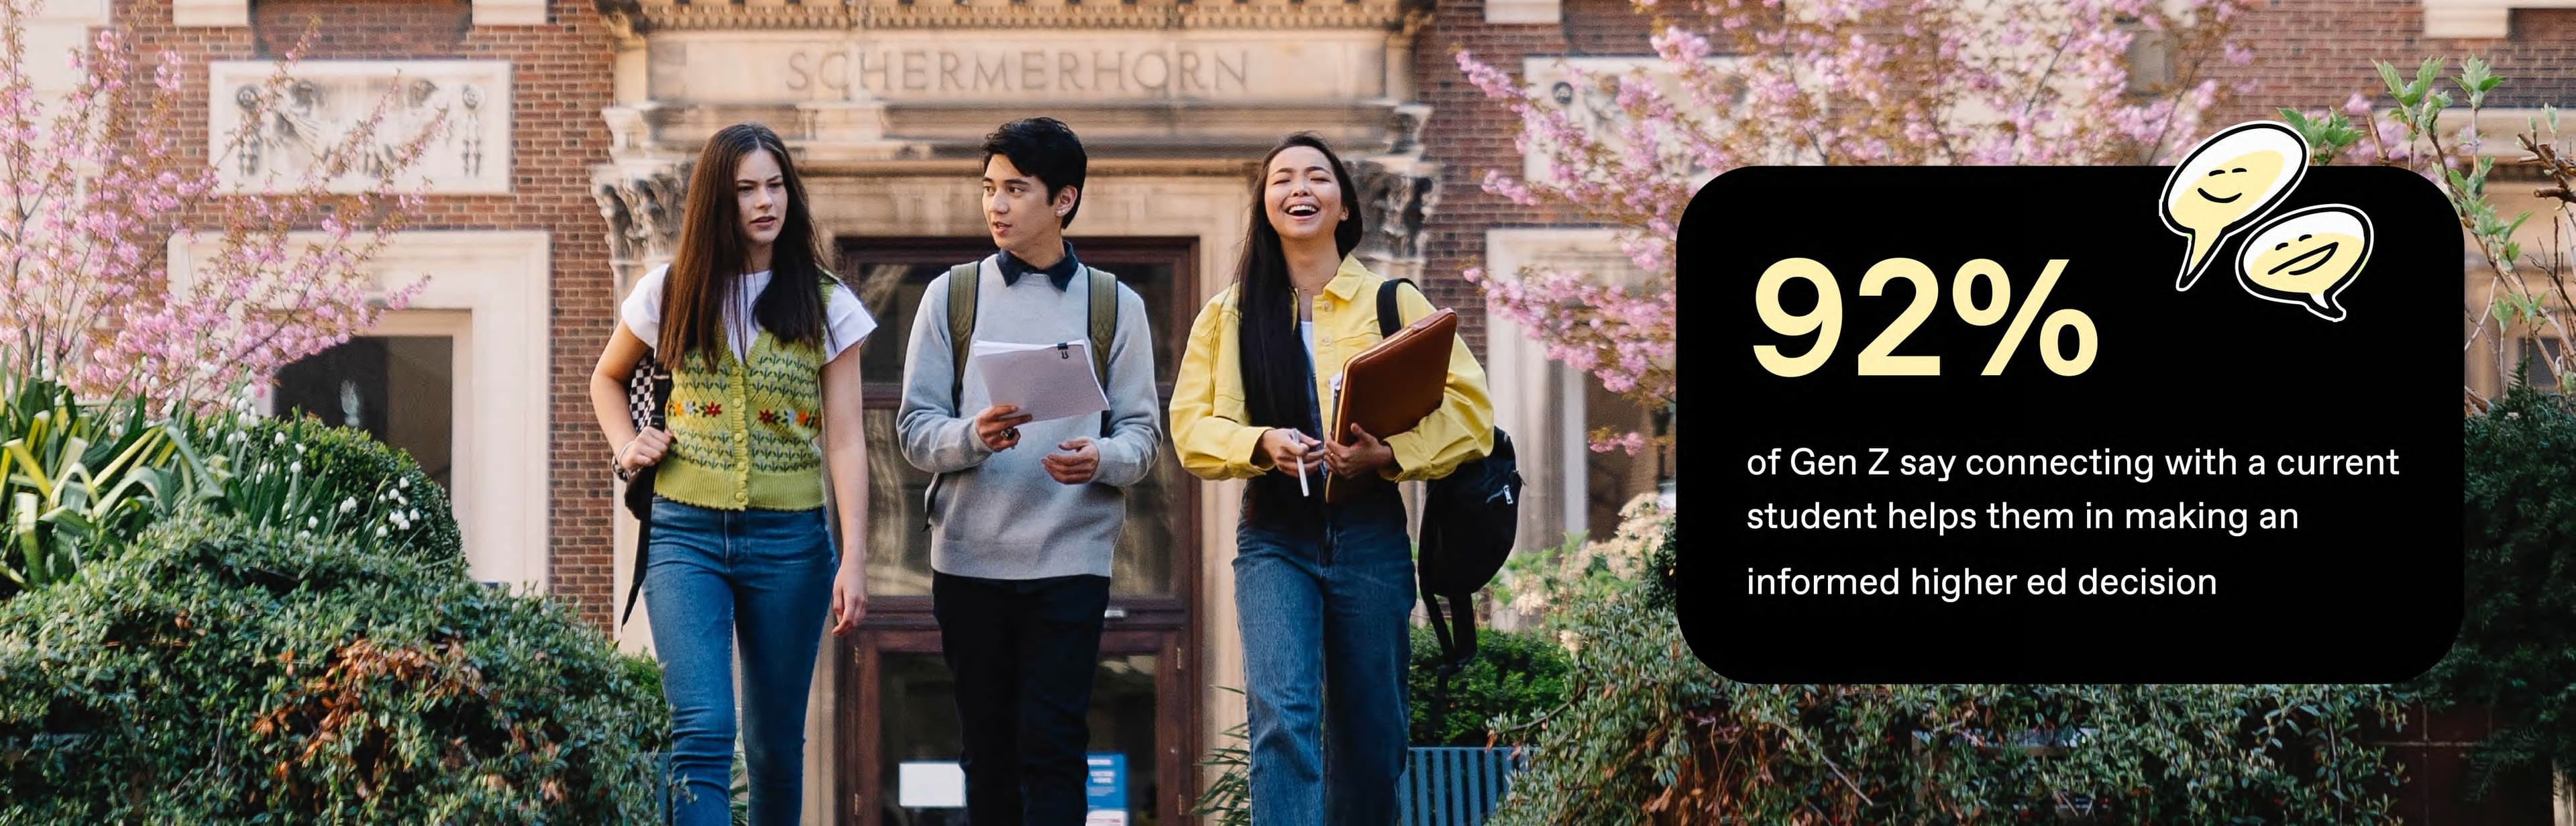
[(2307, 258), (2227, 183)]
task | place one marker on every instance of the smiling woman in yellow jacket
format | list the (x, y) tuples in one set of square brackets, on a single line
[(1323, 592)]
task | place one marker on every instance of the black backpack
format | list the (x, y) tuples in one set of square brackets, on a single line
[(1469, 520)]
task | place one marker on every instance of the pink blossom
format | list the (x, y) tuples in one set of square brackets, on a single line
[(91, 294), (1842, 81)]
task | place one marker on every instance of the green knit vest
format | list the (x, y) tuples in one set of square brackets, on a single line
[(742, 436)]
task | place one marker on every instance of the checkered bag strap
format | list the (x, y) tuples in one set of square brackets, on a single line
[(648, 390), (648, 395)]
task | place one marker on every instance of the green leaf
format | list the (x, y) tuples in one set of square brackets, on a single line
[(33, 473), (22, 531), (2396, 87), (2477, 75)]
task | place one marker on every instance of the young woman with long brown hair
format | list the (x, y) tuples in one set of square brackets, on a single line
[(762, 346)]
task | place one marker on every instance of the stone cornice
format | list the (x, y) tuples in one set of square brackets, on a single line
[(645, 16)]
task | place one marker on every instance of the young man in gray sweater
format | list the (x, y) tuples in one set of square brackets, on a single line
[(1025, 514)]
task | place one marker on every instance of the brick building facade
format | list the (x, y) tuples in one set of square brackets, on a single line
[(557, 61)]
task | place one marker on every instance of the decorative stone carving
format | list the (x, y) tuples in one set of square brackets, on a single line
[(620, 218), (327, 99), (1396, 198), (643, 207), (643, 211), (1405, 123)]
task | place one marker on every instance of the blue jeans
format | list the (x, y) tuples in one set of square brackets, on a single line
[(713, 576), (1325, 611)]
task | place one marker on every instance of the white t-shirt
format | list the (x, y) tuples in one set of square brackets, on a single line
[(845, 321), (1307, 327)]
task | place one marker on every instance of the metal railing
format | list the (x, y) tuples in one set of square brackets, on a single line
[(1453, 786)]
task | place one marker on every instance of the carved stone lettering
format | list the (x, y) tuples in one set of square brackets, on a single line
[(1001, 71)]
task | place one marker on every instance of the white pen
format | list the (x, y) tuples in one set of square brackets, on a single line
[(1301, 475)]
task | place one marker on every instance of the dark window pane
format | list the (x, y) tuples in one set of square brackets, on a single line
[(898, 546), (1143, 565), (399, 389), (1153, 284), (892, 294)]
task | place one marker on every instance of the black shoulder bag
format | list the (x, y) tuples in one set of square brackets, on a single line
[(648, 390), (1470, 519)]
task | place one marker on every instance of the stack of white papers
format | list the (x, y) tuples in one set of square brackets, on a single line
[(1046, 381)]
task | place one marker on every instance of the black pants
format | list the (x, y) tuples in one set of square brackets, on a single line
[(1023, 653)]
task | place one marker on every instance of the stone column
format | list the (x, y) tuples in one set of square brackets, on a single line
[(642, 205), (1398, 191)]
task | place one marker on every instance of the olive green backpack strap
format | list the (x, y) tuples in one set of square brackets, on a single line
[(1103, 316), (962, 280)]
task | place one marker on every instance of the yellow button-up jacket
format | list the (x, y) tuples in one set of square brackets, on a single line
[(1216, 439)]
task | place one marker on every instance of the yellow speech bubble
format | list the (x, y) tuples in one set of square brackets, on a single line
[(2227, 183), (2306, 258)]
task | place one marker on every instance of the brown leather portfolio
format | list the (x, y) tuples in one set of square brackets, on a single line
[(1388, 388)]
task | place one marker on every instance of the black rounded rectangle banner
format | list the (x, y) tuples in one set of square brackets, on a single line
[(2080, 424)]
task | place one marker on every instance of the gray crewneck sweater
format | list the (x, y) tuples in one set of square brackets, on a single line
[(999, 515)]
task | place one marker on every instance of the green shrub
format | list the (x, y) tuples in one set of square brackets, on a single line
[(79, 480), (300, 475), (1649, 735), (1516, 674), (226, 673), (2516, 652)]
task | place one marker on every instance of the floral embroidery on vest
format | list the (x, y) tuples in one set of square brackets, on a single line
[(746, 440)]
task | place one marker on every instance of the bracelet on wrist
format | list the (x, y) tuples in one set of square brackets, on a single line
[(617, 463)]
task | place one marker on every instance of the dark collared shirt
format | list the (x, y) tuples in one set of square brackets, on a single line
[(1061, 273)]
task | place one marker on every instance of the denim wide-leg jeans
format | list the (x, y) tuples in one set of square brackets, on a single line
[(1325, 611)]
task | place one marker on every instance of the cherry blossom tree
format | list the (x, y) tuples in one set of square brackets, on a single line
[(99, 185), (1742, 82)]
